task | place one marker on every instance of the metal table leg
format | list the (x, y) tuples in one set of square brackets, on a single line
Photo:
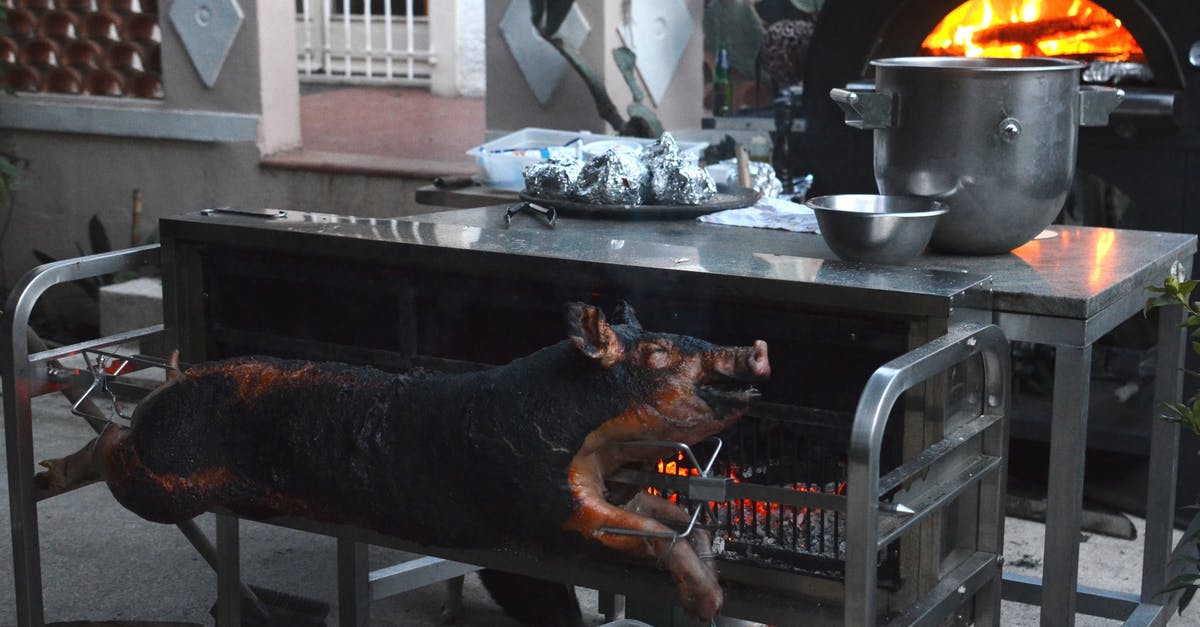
[(1164, 455), (229, 576), (354, 594), (1064, 497)]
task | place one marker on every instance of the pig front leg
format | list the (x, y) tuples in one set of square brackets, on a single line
[(699, 591)]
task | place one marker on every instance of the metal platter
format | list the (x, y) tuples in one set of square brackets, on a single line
[(726, 198)]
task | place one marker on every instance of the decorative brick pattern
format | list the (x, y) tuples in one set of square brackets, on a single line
[(84, 47)]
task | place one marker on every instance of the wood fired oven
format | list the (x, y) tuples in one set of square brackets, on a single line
[(1147, 152)]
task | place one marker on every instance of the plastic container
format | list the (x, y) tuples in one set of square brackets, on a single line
[(501, 160)]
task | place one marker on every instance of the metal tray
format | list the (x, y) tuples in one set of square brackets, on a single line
[(726, 198)]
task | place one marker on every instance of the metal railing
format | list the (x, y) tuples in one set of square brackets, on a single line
[(341, 41)]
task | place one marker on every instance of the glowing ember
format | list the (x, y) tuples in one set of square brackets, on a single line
[(1033, 28), (810, 531)]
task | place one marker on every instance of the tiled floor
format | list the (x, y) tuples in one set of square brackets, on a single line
[(386, 131)]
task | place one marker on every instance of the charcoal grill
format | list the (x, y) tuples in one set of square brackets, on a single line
[(396, 292), (893, 371)]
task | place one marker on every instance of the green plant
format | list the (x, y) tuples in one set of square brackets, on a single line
[(1177, 290)]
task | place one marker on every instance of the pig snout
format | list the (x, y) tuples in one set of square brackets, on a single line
[(747, 363)]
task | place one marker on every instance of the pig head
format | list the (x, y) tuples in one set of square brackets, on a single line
[(516, 455)]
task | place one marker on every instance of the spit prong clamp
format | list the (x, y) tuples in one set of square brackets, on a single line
[(549, 214), (105, 366), (704, 470), (703, 488)]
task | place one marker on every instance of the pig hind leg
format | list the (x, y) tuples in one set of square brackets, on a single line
[(73, 471)]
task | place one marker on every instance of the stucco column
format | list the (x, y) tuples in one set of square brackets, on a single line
[(443, 38), (279, 81)]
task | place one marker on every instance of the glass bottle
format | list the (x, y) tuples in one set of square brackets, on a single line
[(722, 92)]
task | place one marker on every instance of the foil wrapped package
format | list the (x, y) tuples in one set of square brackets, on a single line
[(762, 179), (613, 178), (663, 148), (554, 178), (683, 185)]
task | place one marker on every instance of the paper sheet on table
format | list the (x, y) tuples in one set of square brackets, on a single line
[(768, 213)]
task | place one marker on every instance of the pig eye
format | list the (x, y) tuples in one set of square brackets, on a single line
[(657, 356)]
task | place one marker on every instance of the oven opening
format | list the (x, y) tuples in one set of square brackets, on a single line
[(1073, 29)]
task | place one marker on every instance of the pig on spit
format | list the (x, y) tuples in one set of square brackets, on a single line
[(512, 456)]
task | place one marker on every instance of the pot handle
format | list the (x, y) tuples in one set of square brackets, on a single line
[(1096, 102), (864, 109)]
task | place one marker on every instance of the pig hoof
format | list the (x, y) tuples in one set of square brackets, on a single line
[(54, 476), (705, 605)]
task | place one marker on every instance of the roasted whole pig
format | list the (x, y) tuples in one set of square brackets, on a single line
[(511, 456)]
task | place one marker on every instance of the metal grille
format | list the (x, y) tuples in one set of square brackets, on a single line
[(351, 41)]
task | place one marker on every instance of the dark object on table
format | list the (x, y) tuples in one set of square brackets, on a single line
[(725, 198), (453, 182), (546, 213), (400, 453)]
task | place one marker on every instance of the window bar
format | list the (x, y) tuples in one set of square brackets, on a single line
[(408, 33), (308, 49), (367, 26), (327, 43), (387, 37), (346, 32)]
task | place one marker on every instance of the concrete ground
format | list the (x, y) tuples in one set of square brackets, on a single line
[(101, 562)]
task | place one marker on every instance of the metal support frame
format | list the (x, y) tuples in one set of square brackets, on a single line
[(1061, 596), (25, 376), (863, 538)]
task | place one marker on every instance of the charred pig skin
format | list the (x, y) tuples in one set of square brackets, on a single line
[(516, 455)]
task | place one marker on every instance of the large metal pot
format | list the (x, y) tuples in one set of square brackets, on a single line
[(994, 139)]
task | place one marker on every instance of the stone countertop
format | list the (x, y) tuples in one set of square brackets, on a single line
[(1074, 273)]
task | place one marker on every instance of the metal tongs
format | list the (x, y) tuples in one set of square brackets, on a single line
[(546, 213)]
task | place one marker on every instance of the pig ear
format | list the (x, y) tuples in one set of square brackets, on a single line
[(592, 335), (624, 314)]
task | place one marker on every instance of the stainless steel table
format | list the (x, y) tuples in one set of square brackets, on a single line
[(1066, 291)]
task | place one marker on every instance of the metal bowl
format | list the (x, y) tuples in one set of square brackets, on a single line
[(874, 228)]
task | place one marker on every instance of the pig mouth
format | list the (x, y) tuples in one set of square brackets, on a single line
[(727, 394)]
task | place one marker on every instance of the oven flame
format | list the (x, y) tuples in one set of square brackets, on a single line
[(1078, 29)]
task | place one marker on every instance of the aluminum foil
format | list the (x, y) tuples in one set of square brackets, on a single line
[(762, 179), (685, 185), (663, 148), (613, 178), (553, 178), (1113, 72)]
